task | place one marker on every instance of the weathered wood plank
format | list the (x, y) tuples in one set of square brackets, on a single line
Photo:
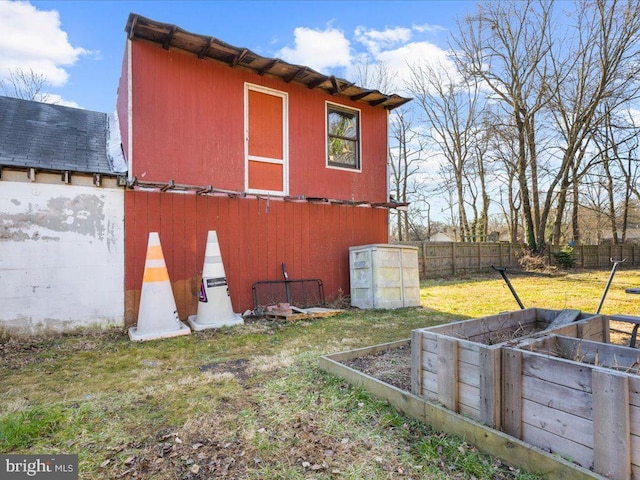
[(512, 392), (468, 411), (359, 352), (571, 330), (469, 352), (448, 373), (469, 374), (634, 391), (635, 455), (634, 420), (565, 317), (429, 341), (594, 329), (469, 396), (547, 441), (557, 370), (490, 387), (611, 356), (416, 362), (557, 396), (430, 388), (480, 327), (570, 427), (611, 426), (429, 362)]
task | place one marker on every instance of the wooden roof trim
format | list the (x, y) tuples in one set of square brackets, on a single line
[(299, 71), (238, 58), (317, 82), (269, 66), (167, 41), (335, 84), (362, 95), (206, 47), (375, 103), (132, 28)]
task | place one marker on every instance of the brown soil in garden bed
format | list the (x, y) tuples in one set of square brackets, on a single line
[(392, 366)]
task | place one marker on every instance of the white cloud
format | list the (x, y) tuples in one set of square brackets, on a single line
[(58, 100), (376, 40), (426, 28), (318, 49), (32, 39), (400, 60)]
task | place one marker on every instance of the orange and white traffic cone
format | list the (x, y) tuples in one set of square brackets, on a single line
[(214, 305), (158, 314)]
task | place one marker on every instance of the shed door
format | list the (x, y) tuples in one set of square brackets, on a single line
[(266, 140)]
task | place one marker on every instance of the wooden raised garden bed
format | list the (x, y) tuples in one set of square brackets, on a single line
[(459, 364), (513, 451), (576, 398)]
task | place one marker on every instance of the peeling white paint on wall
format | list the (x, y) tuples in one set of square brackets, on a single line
[(61, 257)]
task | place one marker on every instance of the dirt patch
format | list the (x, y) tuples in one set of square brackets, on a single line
[(392, 366), (238, 368)]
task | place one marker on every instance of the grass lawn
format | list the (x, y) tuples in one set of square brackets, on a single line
[(250, 401)]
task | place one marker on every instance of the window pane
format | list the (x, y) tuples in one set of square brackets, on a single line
[(343, 137), (343, 152), (343, 124)]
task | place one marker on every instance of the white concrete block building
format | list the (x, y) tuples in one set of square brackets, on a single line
[(61, 219)]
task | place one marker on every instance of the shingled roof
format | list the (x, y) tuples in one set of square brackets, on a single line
[(53, 138)]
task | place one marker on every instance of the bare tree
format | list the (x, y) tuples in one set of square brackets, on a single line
[(27, 85), (450, 105), (503, 153), (505, 45), (593, 75), (405, 158), (376, 76), (616, 142)]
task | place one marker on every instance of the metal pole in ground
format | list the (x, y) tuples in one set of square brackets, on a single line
[(606, 289), (503, 272)]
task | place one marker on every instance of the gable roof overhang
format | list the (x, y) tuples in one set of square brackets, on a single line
[(170, 36)]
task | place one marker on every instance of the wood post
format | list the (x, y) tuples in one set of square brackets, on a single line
[(611, 425), (448, 372), (453, 258), (416, 362), (490, 375), (424, 259), (512, 392)]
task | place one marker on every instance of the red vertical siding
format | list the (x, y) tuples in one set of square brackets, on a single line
[(312, 239), (189, 127)]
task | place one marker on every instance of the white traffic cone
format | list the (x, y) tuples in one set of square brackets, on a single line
[(158, 314), (214, 305)]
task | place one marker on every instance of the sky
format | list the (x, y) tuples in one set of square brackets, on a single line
[(78, 45)]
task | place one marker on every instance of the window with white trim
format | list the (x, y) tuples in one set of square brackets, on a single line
[(343, 137)]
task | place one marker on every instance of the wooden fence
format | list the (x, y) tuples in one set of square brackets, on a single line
[(441, 259)]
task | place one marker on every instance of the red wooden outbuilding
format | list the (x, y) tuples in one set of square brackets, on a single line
[(286, 164)]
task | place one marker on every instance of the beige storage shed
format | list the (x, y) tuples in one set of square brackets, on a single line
[(384, 276)]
